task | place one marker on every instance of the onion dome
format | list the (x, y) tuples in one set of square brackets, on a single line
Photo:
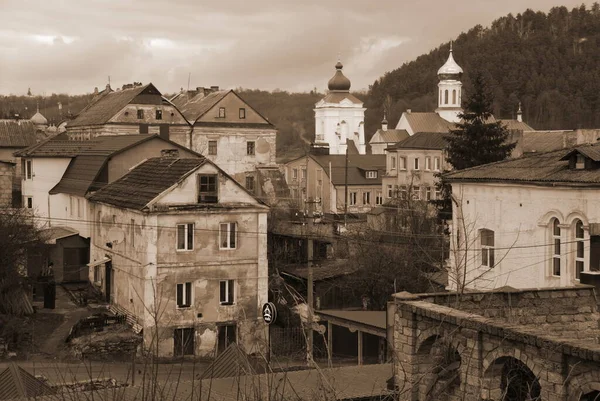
[(450, 70), (384, 121), (339, 82), (39, 119)]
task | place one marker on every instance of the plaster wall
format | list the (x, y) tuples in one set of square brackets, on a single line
[(72, 211), (232, 104), (128, 114), (327, 118), (520, 216)]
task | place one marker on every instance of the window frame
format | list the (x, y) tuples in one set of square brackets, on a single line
[(390, 191), (366, 198), (416, 192), (295, 174), (579, 246), (229, 237), (556, 246), (187, 234), (208, 193), (487, 243), (427, 163), (416, 164), (28, 169), (436, 163), (158, 114), (393, 162), (250, 148), (352, 198), (228, 297), (187, 294), (28, 202), (222, 112), (242, 113), (250, 179), (213, 147), (428, 193), (140, 114), (371, 174), (403, 192), (402, 163), (378, 198)]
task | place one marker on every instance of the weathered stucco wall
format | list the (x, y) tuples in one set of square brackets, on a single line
[(128, 114), (232, 104), (7, 173)]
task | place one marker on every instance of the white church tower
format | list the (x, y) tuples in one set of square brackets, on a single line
[(339, 117), (450, 90)]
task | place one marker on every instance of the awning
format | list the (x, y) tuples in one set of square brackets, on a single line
[(98, 262)]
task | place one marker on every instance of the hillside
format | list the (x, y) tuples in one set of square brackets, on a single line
[(549, 62)]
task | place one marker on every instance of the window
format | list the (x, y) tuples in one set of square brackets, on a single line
[(294, 174), (403, 192), (446, 96), (427, 193), (226, 292), (159, 114), (185, 237), (250, 148), (79, 207), (379, 198), (416, 193), (242, 113), (352, 198), (428, 163), (294, 193), (140, 114), (97, 274), (221, 112), (228, 236), (402, 163), (143, 128), (438, 194), (366, 198), (487, 247), (184, 295), (436, 163), (28, 202), (28, 169), (212, 148), (72, 205), (416, 164), (183, 341), (250, 183), (390, 191), (454, 96), (580, 162), (580, 253), (208, 189), (304, 173), (555, 248), (393, 162), (371, 174)]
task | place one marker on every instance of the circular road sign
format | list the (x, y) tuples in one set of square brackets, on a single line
[(269, 312)]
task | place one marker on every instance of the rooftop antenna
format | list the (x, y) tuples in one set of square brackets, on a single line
[(189, 78)]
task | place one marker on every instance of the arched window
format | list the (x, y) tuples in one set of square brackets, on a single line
[(555, 247), (487, 247), (580, 252), (454, 96), (446, 97), (441, 96)]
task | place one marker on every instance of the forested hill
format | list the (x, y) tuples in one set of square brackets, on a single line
[(549, 62)]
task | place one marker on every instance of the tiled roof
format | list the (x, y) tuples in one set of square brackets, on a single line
[(357, 165), (541, 169), (199, 105), (56, 146), (145, 182), (428, 122), (423, 140), (107, 105), (338, 97), (109, 145), (516, 125), (16, 134), (389, 136), (546, 141)]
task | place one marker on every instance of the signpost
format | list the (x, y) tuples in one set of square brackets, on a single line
[(269, 313)]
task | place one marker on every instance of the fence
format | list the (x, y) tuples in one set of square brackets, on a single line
[(288, 341)]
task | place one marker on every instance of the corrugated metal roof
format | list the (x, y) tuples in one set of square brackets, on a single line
[(423, 140), (145, 182), (357, 166), (16, 382), (369, 318), (232, 362), (16, 134), (389, 136), (428, 122)]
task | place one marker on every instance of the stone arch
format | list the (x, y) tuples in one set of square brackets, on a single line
[(494, 384), (547, 218), (583, 384), (573, 216)]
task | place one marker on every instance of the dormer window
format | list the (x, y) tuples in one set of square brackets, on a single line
[(372, 174), (208, 188), (580, 162)]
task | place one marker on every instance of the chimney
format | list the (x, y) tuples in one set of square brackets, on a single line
[(319, 149), (214, 88), (408, 111), (95, 90), (172, 153), (108, 87)]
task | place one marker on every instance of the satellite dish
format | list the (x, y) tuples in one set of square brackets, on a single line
[(116, 235)]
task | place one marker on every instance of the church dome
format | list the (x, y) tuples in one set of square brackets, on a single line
[(339, 82), (39, 119), (450, 70)]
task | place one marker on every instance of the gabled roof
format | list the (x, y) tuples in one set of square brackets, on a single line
[(591, 152), (55, 146), (233, 362), (199, 105), (338, 97), (423, 140), (16, 134), (15, 382), (549, 168), (428, 122), (389, 136), (107, 105), (357, 165), (83, 170), (546, 141)]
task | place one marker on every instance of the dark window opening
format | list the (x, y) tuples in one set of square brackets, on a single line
[(184, 341), (227, 335), (140, 114), (208, 189), (250, 183), (159, 114), (212, 148), (184, 295), (226, 292), (250, 148)]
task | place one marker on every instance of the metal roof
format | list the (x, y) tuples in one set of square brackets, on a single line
[(423, 140), (232, 362), (15, 382), (428, 122), (375, 319), (389, 136)]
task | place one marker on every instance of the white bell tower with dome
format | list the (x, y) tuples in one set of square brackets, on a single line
[(450, 90)]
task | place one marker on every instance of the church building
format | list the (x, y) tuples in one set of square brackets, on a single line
[(339, 118)]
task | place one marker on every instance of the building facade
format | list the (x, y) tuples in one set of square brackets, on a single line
[(184, 253)]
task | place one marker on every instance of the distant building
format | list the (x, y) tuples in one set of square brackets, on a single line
[(339, 117), (384, 138), (183, 253), (135, 109)]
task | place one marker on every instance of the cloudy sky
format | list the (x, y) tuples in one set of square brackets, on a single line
[(70, 46)]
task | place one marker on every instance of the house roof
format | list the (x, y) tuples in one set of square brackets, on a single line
[(107, 105), (322, 270), (546, 141), (428, 122), (200, 104), (516, 125), (16, 382), (371, 318), (55, 146), (338, 97), (423, 140), (357, 166), (233, 362), (17, 134), (146, 181), (389, 136), (591, 152), (549, 168), (50, 235)]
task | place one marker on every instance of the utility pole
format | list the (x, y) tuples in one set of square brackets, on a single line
[(309, 331), (346, 190)]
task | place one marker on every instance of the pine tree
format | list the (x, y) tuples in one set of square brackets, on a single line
[(478, 138)]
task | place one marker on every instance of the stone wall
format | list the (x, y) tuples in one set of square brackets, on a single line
[(7, 173)]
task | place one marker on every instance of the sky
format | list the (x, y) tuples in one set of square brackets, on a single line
[(72, 46)]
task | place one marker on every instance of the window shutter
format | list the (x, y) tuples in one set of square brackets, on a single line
[(179, 294), (231, 290), (188, 294), (222, 291)]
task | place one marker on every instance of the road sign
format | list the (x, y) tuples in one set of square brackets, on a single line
[(269, 312)]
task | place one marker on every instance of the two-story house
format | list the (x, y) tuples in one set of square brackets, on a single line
[(319, 182), (14, 136), (181, 247), (229, 132), (531, 222), (134, 109)]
